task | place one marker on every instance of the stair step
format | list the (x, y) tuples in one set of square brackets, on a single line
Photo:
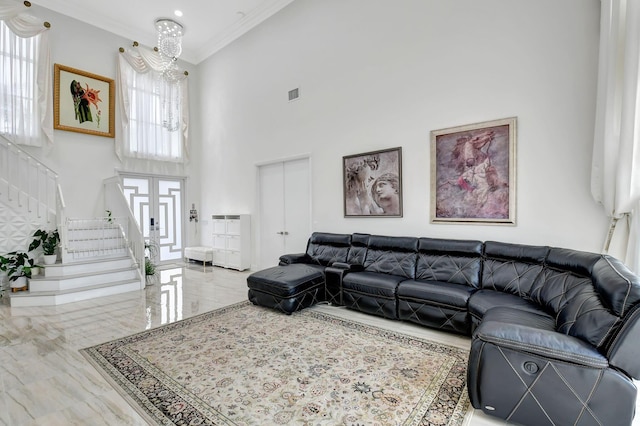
[(53, 298), (81, 280), (92, 265)]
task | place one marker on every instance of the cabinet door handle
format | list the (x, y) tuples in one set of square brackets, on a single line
[(286, 233), (280, 233)]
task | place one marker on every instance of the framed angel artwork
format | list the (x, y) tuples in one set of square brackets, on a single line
[(473, 173)]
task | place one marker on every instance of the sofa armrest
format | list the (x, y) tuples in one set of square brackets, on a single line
[(347, 267), (623, 352), (545, 343), (288, 259)]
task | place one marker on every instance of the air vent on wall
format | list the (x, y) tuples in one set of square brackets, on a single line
[(294, 94)]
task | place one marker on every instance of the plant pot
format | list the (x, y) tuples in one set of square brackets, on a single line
[(35, 271), (19, 284), (50, 259)]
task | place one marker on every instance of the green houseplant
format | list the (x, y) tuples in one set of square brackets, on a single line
[(49, 241), (150, 251), (17, 265)]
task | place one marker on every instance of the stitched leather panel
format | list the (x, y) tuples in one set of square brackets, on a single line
[(577, 305), (325, 248), (392, 255), (445, 294), (578, 262), (483, 300), (286, 281), (515, 252), (287, 304), (616, 284), (375, 284), (358, 250), (382, 307), (509, 276), (434, 315), (528, 389)]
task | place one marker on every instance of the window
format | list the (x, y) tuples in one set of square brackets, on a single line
[(155, 111), (20, 114)]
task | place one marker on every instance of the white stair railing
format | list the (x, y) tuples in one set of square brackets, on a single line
[(26, 184), (116, 203), (92, 238)]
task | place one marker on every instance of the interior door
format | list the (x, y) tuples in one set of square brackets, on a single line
[(157, 204), (285, 209)]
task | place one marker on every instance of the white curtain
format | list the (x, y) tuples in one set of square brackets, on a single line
[(154, 108), (615, 179), (25, 88)]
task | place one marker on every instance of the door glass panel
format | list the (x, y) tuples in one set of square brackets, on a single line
[(136, 191), (170, 215), (160, 199)]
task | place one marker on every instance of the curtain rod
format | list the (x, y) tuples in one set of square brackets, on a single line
[(135, 44), (28, 4)]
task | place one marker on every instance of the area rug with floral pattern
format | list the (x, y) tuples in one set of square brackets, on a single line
[(247, 365)]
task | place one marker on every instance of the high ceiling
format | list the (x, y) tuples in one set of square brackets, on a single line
[(209, 24)]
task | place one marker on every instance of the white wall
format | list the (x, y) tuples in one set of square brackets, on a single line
[(376, 74)]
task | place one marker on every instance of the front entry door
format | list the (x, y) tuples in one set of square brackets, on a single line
[(157, 204)]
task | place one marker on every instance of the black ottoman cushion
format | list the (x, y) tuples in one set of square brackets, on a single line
[(287, 288)]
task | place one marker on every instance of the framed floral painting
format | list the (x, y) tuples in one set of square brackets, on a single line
[(83, 102), (473, 170)]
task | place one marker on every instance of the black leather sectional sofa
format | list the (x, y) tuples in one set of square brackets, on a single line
[(555, 332)]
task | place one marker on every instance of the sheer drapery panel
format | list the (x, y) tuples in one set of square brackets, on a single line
[(615, 178), (26, 107), (154, 118)]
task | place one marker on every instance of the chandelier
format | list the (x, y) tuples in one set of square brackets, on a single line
[(169, 40)]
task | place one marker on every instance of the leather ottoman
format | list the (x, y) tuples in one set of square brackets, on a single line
[(287, 288)]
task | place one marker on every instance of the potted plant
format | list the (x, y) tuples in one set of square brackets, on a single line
[(49, 241), (150, 251), (18, 266)]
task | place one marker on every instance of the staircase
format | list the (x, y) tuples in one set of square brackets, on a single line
[(98, 257), (79, 281)]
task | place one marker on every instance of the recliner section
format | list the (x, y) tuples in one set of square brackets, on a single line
[(555, 332)]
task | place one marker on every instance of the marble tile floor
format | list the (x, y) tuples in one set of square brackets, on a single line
[(44, 380)]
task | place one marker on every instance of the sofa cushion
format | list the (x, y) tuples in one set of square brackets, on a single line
[(576, 304), (512, 268), (286, 281), (372, 283), (452, 261), (483, 300), (358, 250), (392, 255), (435, 292), (324, 248)]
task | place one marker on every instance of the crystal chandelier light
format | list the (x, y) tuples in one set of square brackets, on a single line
[(170, 35)]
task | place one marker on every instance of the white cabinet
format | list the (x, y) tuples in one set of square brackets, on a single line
[(232, 241)]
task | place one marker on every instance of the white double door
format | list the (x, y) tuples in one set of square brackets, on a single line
[(157, 204), (285, 209)]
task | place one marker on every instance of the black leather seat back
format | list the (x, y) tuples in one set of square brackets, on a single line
[(325, 248), (512, 268), (358, 251), (566, 289), (451, 261), (392, 255)]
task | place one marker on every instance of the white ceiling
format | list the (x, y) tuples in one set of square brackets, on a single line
[(209, 24)]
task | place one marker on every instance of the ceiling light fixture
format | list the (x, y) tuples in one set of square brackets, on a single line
[(170, 35), (178, 13)]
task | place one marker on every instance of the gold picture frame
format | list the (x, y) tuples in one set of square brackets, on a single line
[(83, 102), (473, 173)]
